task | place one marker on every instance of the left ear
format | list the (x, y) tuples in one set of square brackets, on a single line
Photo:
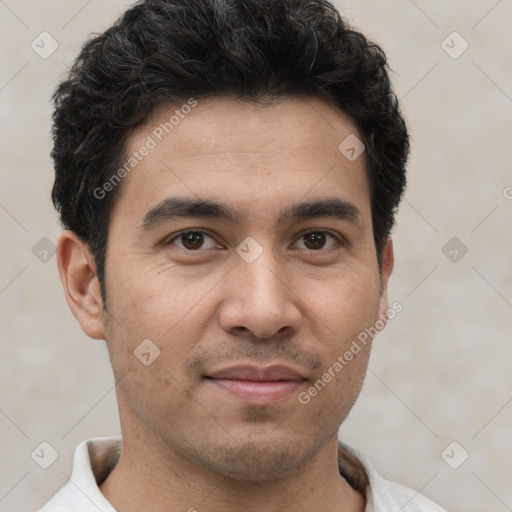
[(388, 260)]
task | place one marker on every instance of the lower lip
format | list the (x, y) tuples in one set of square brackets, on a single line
[(259, 392)]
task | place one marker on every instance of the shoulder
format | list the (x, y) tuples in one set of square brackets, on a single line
[(391, 496), (381, 494), (93, 460)]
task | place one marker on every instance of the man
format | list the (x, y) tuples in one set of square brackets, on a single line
[(227, 173)]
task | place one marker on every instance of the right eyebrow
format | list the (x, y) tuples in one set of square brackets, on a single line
[(173, 208)]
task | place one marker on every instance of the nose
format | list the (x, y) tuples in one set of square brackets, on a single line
[(259, 299)]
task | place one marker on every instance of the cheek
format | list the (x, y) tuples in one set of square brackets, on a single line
[(331, 396), (342, 319), (344, 306), (154, 300), (172, 310)]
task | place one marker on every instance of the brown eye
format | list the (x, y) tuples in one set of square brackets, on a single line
[(317, 240), (192, 240)]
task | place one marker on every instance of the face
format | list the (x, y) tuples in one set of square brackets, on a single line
[(241, 246)]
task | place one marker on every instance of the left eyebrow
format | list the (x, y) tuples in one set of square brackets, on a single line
[(178, 207), (336, 208)]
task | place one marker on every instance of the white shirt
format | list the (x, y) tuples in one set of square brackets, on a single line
[(96, 457)]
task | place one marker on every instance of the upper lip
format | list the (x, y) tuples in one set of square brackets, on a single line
[(255, 373)]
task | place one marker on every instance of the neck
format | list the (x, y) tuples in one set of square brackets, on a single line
[(157, 479)]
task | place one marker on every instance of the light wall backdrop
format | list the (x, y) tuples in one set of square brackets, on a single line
[(435, 412)]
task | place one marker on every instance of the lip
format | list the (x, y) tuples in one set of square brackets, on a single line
[(276, 372), (257, 385)]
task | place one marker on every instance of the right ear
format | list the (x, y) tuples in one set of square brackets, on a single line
[(81, 286)]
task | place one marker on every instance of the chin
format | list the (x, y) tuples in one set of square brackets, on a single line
[(258, 460)]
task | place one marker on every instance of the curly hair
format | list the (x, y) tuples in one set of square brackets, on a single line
[(166, 51)]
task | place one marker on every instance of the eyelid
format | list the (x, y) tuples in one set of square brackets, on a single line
[(174, 236), (339, 239)]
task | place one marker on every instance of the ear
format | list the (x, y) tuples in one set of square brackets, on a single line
[(81, 286), (388, 261)]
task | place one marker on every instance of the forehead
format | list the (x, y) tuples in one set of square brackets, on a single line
[(249, 154), (218, 123)]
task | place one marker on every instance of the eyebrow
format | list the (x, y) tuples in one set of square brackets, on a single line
[(339, 209), (173, 208)]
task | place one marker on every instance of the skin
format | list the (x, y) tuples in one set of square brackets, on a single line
[(187, 444)]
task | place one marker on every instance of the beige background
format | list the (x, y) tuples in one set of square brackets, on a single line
[(441, 370)]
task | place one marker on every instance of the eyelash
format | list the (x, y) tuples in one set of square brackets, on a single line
[(337, 238)]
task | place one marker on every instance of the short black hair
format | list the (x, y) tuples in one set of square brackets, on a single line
[(168, 51)]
